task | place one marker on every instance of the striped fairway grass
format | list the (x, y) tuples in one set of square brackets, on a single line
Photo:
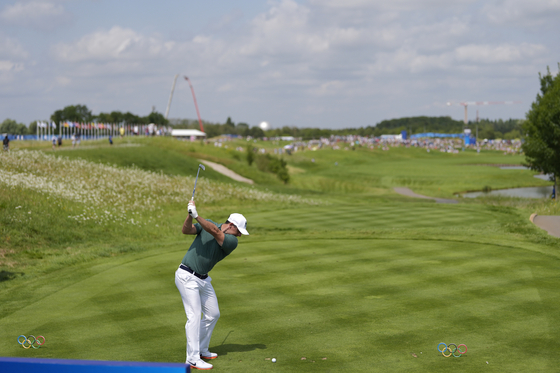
[(351, 289), (385, 216), (364, 280)]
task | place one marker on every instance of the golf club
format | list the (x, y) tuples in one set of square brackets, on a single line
[(199, 167)]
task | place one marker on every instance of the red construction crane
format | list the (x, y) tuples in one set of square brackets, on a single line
[(194, 98), (480, 103), (195, 104)]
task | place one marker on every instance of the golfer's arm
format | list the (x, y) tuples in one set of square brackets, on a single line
[(188, 227), (212, 229)]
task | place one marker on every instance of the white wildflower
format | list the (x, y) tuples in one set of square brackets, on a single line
[(123, 191)]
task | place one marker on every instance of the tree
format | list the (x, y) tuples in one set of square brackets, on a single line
[(32, 128), (73, 113), (157, 118), (256, 132), (229, 127), (242, 129), (12, 127), (542, 128), (127, 117), (105, 118), (212, 130)]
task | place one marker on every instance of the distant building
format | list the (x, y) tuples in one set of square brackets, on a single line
[(392, 137), (188, 134)]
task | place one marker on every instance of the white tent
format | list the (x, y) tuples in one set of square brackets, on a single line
[(188, 134)]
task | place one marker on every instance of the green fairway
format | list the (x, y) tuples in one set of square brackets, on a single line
[(368, 303), (339, 273), (385, 216)]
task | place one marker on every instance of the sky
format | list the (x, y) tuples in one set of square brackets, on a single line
[(304, 63)]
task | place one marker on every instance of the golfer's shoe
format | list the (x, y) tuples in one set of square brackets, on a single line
[(208, 355), (200, 364)]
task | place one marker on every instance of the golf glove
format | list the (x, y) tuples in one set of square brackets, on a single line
[(192, 211)]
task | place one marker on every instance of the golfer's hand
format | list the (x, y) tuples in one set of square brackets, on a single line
[(192, 210)]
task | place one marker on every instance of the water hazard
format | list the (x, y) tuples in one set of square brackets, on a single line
[(528, 192)]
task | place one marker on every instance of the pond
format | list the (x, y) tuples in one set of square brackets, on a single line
[(529, 192)]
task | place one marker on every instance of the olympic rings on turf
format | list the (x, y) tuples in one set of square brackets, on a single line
[(32, 341), (452, 349)]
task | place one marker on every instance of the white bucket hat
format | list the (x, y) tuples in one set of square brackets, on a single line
[(240, 222)]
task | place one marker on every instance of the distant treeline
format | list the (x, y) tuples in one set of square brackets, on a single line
[(81, 114), (487, 129), (218, 129)]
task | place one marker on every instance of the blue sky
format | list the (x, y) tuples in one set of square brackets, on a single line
[(306, 63)]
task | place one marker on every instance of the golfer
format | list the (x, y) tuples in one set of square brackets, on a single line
[(213, 243)]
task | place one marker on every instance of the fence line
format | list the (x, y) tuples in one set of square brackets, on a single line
[(90, 131)]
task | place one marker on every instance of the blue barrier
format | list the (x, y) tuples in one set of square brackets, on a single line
[(18, 365), (19, 137), (440, 135)]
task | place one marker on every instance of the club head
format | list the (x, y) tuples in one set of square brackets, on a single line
[(202, 166)]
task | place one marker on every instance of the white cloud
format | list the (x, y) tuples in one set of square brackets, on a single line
[(522, 12), (12, 57), (116, 44), (225, 88), (41, 15), (283, 29), (292, 44), (6, 65), (504, 53), (330, 88), (472, 58), (11, 48), (393, 5), (63, 81), (297, 59)]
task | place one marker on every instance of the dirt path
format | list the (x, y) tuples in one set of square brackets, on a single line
[(226, 171), (549, 223), (409, 193)]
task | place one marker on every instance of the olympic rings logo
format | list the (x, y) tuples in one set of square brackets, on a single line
[(32, 341), (452, 349)]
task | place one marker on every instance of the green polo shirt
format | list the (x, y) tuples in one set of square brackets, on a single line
[(205, 251)]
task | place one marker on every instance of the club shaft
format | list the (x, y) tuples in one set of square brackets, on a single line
[(195, 183)]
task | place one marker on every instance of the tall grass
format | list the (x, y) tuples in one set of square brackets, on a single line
[(49, 205), (120, 191)]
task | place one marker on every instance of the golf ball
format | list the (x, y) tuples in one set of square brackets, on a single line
[(273, 359)]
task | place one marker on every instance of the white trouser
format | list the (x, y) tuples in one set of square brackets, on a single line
[(199, 298)]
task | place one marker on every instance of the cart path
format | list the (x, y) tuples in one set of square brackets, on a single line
[(409, 193), (226, 171), (550, 223)]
